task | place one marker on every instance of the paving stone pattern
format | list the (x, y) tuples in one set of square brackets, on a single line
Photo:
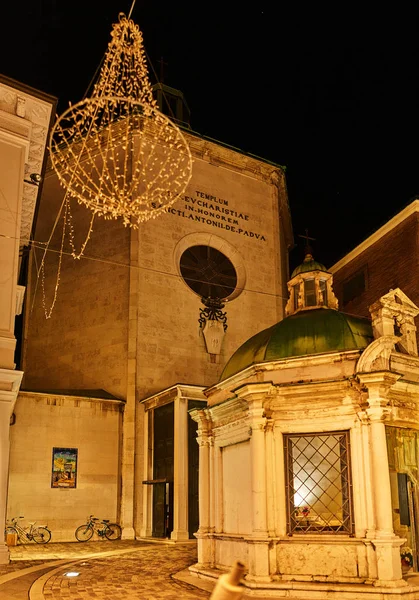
[(122, 570), (139, 575)]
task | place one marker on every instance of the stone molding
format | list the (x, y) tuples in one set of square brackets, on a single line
[(167, 395), (20, 296), (27, 117), (234, 159), (218, 243), (75, 401), (376, 357)]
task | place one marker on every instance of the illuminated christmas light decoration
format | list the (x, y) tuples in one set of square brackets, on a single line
[(114, 151)]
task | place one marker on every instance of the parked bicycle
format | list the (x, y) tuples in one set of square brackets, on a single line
[(103, 528), (35, 533)]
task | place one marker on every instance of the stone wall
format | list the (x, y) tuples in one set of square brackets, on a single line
[(235, 203), (47, 421), (84, 342)]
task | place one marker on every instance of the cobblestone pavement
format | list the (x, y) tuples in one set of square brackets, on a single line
[(120, 570)]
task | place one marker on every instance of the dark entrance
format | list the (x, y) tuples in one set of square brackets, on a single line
[(163, 470)]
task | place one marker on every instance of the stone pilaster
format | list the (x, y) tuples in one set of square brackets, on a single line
[(258, 552), (128, 428), (258, 466), (180, 478), (9, 389), (385, 542)]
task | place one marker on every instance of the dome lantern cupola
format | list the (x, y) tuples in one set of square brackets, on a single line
[(310, 286)]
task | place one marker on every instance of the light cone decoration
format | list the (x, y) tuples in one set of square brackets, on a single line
[(114, 151)]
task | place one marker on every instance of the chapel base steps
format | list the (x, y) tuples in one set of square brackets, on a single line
[(299, 590)]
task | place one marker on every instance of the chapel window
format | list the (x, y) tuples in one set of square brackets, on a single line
[(318, 483), (310, 292), (323, 290), (296, 290)]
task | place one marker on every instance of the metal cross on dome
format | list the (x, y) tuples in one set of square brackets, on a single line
[(308, 249)]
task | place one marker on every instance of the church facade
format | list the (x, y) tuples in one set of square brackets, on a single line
[(140, 325), (322, 407)]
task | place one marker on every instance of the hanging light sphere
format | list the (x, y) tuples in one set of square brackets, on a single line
[(114, 151), (120, 158)]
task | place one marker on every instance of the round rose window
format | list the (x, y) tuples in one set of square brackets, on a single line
[(208, 272)]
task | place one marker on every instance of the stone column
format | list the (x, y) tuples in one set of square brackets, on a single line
[(211, 485), (205, 496), (204, 487), (271, 480), (7, 402), (380, 474), (385, 542), (180, 477), (217, 485)]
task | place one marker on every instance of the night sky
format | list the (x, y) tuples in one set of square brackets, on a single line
[(330, 91)]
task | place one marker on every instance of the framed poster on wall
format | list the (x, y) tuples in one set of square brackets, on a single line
[(64, 468)]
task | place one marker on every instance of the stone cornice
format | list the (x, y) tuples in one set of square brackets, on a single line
[(66, 399), (214, 152), (27, 114), (254, 391), (179, 390), (10, 380), (259, 369), (232, 409)]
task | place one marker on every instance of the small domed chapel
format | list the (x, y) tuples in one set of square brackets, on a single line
[(303, 449)]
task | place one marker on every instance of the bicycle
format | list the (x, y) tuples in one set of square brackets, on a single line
[(39, 534), (111, 531)]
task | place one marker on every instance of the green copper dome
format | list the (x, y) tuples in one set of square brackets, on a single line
[(308, 264), (306, 332)]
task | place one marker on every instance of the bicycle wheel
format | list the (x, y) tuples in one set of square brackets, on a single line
[(41, 535), (113, 531), (10, 530), (84, 533)]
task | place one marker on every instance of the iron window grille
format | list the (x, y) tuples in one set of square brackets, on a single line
[(318, 483), (208, 272)]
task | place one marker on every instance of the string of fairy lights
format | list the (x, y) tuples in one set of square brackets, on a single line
[(41, 245), (113, 151)]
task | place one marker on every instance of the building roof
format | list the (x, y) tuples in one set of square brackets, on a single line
[(308, 264), (312, 331), (410, 209)]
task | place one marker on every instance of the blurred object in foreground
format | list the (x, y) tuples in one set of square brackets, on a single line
[(228, 586)]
